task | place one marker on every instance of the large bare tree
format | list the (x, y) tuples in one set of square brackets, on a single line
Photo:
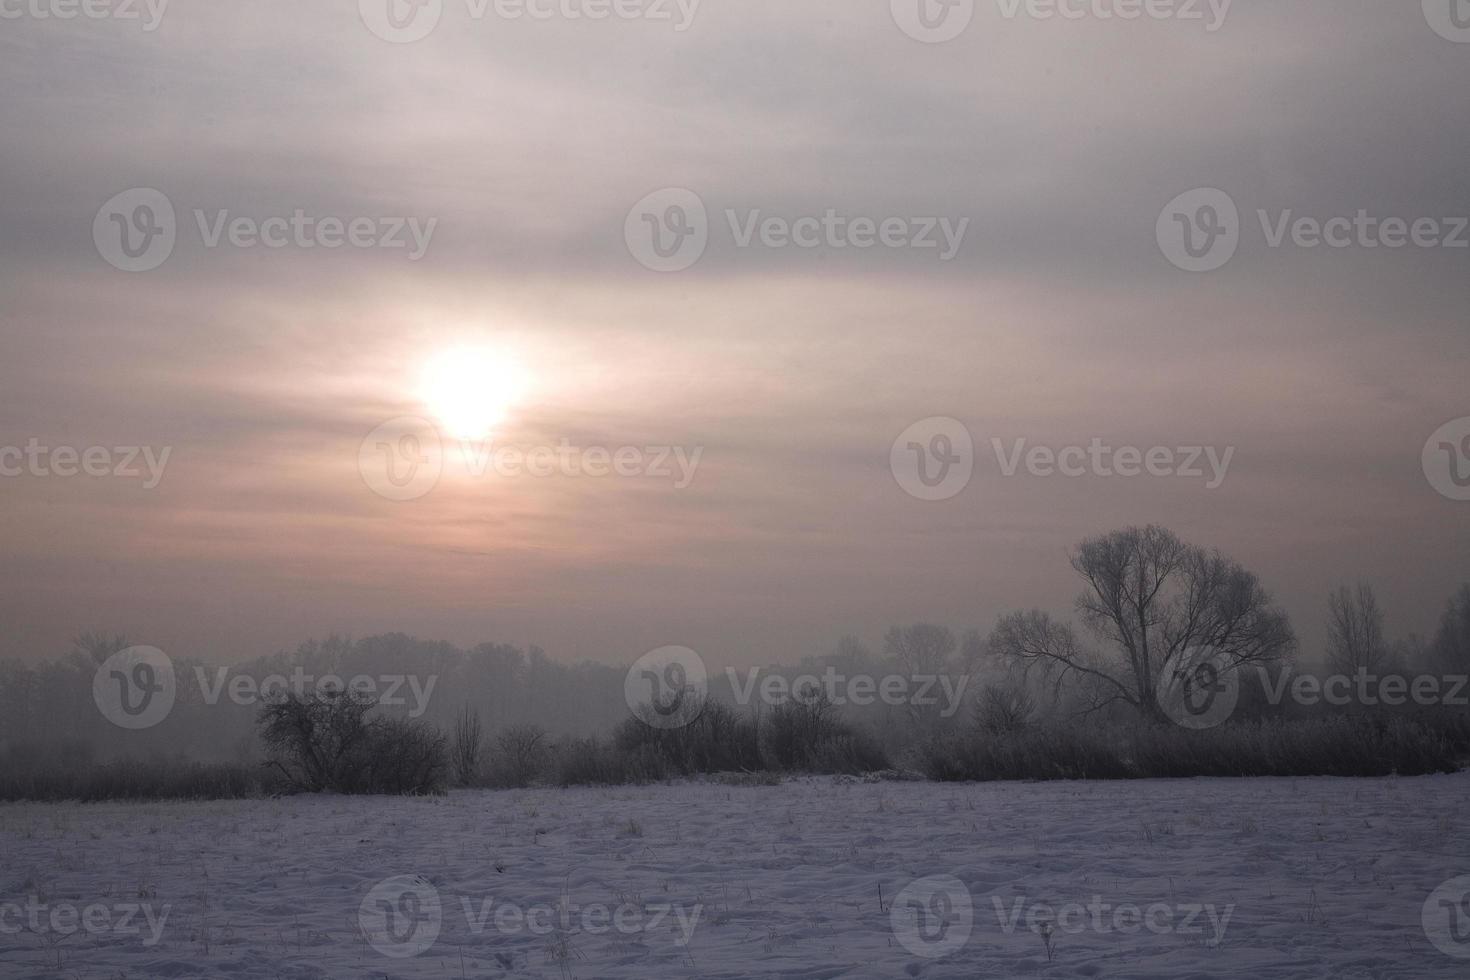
[(1355, 631), (922, 648), (1148, 597), (1452, 641)]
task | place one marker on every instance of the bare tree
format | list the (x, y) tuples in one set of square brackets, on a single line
[(1149, 597), (1355, 631), (1004, 709), (469, 738), (920, 648), (972, 651), (99, 646), (1452, 641), (520, 754)]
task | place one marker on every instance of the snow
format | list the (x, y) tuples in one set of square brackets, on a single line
[(1296, 878)]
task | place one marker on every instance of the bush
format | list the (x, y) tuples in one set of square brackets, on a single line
[(710, 738), (1336, 745), (595, 762), (804, 734), (325, 741), (133, 780), (1005, 709), (521, 757), (469, 739)]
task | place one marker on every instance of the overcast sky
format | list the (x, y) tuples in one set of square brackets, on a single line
[(1059, 318)]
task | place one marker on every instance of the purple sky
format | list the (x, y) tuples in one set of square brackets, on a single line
[(1058, 321)]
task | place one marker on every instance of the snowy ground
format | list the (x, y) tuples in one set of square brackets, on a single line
[(811, 879)]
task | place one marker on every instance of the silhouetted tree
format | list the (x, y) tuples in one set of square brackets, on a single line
[(1149, 596), (1355, 631)]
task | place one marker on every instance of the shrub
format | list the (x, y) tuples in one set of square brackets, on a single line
[(1004, 709), (157, 779), (1336, 745), (521, 757), (596, 762), (712, 737), (469, 738), (325, 741)]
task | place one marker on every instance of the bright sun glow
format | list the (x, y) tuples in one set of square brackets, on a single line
[(471, 389)]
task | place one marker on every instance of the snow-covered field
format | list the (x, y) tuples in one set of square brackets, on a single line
[(815, 878)]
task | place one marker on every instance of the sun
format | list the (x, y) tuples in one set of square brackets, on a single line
[(471, 390)]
